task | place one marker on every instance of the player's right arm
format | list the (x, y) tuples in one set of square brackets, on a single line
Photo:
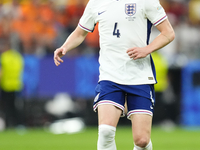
[(74, 40)]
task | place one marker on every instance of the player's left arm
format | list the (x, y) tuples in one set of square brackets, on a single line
[(166, 36)]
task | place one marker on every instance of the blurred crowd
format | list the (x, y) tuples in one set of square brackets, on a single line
[(40, 26), (184, 16)]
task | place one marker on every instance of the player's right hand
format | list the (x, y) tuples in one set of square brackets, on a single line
[(58, 53)]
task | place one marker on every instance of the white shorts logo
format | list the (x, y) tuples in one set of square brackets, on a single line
[(152, 100), (96, 98)]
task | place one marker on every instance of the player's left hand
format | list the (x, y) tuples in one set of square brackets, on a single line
[(137, 52)]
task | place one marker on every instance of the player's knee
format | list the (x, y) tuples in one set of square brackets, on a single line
[(142, 142), (106, 136)]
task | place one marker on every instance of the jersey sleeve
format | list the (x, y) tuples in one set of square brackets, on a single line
[(87, 21), (154, 12)]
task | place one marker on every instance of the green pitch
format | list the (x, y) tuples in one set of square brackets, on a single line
[(39, 139)]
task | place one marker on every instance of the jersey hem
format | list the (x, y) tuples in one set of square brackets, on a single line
[(128, 83)]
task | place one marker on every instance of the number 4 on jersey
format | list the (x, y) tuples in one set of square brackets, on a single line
[(116, 31)]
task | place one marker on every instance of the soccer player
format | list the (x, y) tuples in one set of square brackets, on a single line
[(127, 72)]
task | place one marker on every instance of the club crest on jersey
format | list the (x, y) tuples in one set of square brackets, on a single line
[(130, 9)]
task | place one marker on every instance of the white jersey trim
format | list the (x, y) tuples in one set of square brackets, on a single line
[(84, 28), (161, 20)]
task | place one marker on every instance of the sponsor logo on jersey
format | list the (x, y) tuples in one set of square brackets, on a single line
[(130, 9)]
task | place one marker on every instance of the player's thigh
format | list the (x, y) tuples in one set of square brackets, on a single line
[(108, 114), (141, 127)]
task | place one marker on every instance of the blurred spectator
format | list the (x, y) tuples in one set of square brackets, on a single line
[(36, 25), (10, 81), (164, 104), (188, 36), (194, 11), (74, 11), (178, 8)]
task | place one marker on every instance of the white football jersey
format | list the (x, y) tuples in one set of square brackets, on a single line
[(123, 24)]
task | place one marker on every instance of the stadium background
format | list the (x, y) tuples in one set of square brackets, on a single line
[(35, 28)]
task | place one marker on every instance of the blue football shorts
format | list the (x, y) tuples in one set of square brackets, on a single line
[(140, 98)]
